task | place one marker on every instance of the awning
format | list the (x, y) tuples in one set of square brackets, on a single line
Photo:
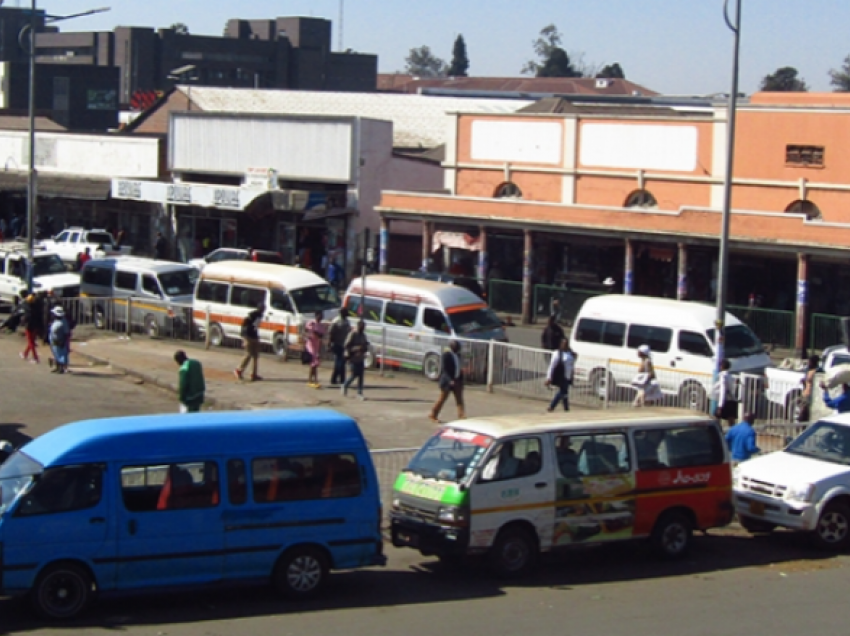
[(53, 187), (317, 213)]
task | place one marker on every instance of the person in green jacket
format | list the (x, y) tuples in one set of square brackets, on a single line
[(192, 385)]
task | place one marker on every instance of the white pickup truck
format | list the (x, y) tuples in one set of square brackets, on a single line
[(74, 240)]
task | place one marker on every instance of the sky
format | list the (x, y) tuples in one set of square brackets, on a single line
[(669, 46)]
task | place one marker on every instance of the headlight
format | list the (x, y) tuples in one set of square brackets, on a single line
[(802, 492), (396, 503), (451, 514)]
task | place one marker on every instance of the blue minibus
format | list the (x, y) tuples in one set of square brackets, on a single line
[(149, 502)]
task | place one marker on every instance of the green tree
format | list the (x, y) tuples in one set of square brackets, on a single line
[(180, 28), (612, 71), (421, 62), (840, 79), (784, 80), (460, 61), (552, 61)]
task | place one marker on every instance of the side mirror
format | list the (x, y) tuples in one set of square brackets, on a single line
[(460, 471)]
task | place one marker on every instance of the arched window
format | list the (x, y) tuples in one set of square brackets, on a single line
[(508, 190), (808, 208), (641, 199)]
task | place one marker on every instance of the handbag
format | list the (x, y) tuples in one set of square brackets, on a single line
[(306, 357), (653, 392), (641, 380)]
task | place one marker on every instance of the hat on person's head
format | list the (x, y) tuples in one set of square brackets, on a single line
[(608, 282), (644, 349), (58, 311)]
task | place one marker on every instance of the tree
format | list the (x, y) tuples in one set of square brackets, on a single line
[(460, 62), (612, 71), (422, 63), (841, 78), (180, 28), (784, 80), (553, 61)]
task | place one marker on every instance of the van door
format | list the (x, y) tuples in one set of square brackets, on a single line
[(281, 313), (169, 525), (404, 348), (517, 482)]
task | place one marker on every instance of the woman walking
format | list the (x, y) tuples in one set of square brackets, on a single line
[(645, 376), (560, 374), (315, 331), (724, 393)]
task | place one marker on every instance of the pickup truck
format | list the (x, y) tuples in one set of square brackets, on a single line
[(785, 382), (73, 241)]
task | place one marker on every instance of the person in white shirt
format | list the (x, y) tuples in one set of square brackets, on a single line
[(560, 374), (724, 391)]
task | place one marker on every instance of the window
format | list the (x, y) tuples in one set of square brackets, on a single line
[(212, 292), (513, 459), (400, 315), (436, 320), (804, 207), (372, 308), (694, 343), (63, 490), (805, 156), (95, 275), (63, 237), (658, 338), (126, 280), (247, 296), (306, 477), (660, 449), (641, 199), (309, 300), (588, 455), (508, 190), (280, 301), (150, 285), (237, 482), (170, 486), (601, 332)]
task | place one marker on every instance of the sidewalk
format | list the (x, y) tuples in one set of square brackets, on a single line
[(394, 415)]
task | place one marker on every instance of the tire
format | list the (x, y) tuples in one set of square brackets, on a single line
[(756, 526), (791, 405), (513, 554), (833, 529), (62, 591), (301, 572), (280, 345), (99, 318), (216, 335), (601, 383), (692, 396), (671, 537), (151, 327), (431, 367)]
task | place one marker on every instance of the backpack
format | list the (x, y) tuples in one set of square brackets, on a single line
[(247, 327)]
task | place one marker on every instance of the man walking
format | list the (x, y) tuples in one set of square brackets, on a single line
[(340, 328), (251, 339), (59, 336), (191, 383), (451, 381), (560, 374), (33, 326), (356, 348), (742, 439), (552, 335)]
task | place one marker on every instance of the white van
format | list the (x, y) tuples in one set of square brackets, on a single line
[(680, 334), (230, 290), (419, 315)]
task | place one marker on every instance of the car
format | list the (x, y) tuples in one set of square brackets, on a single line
[(73, 241), (466, 282), (49, 273), (237, 254)]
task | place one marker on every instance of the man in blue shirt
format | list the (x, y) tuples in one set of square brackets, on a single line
[(841, 403), (741, 439)]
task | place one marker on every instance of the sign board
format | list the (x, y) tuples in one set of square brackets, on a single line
[(200, 194), (265, 178)]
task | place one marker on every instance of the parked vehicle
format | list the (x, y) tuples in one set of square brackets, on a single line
[(165, 501), (680, 334), (511, 487), (805, 487), (49, 273), (230, 290), (161, 291), (420, 316), (73, 241), (237, 254)]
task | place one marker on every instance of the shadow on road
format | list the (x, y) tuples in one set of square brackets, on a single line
[(12, 434)]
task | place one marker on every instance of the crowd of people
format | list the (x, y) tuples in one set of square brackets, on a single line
[(43, 319)]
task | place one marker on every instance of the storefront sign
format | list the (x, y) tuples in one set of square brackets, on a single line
[(263, 178), (200, 194)]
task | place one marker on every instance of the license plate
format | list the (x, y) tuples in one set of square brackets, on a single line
[(756, 507), (408, 538)]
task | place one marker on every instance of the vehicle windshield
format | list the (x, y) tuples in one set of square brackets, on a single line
[(474, 321), (47, 265), (740, 342), (100, 238), (309, 300), (180, 283), (440, 456), (825, 441), (16, 475)]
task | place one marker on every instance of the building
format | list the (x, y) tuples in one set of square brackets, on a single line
[(577, 194)]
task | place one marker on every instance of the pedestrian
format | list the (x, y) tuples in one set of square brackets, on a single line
[(33, 326), (741, 439), (560, 374), (83, 258), (161, 247), (314, 331), (191, 383), (840, 404), (724, 394), (645, 376), (340, 328), (250, 333), (120, 238), (803, 411), (451, 381), (552, 335), (59, 336), (356, 347)]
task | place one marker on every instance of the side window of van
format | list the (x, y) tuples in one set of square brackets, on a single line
[(237, 482), (170, 486), (97, 276), (513, 459), (589, 455), (694, 343), (436, 320), (280, 301), (660, 449), (371, 309), (126, 281), (658, 338), (305, 477), (400, 315), (212, 292), (63, 490), (247, 296), (150, 285), (601, 332)]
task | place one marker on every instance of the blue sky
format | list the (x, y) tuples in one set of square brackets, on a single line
[(672, 46)]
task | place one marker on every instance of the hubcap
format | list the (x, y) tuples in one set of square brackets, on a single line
[(515, 554), (304, 574), (833, 527), (675, 538), (63, 593)]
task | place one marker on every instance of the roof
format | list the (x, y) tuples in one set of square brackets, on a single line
[(204, 435), (9, 121), (419, 121), (140, 264), (563, 105), (509, 425), (53, 186), (387, 284), (686, 312), (250, 271), (554, 85)]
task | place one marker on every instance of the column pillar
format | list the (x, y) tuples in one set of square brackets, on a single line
[(383, 245), (802, 304), (682, 274), (427, 233), (482, 255), (527, 260), (629, 277)]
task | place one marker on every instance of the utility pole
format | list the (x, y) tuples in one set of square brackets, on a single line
[(341, 24)]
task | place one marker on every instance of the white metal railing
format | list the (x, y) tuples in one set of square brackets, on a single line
[(389, 463)]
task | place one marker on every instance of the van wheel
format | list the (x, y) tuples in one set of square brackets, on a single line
[(62, 590), (791, 401), (671, 537), (216, 335), (756, 526), (280, 346), (513, 554), (99, 318), (151, 327), (602, 382), (692, 396), (833, 529), (301, 572), (431, 367)]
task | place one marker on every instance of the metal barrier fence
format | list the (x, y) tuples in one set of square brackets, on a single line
[(825, 330), (388, 465), (505, 296), (772, 326), (561, 301)]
